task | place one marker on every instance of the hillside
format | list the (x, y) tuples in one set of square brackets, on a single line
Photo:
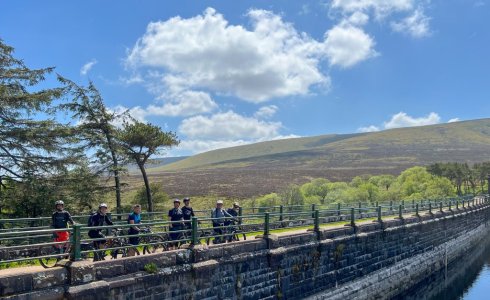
[(268, 166)]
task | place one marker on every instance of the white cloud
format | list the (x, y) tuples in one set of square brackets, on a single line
[(87, 67), (228, 126), (270, 60), (266, 112), (401, 119), (347, 45), (454, 120), (407, 16), (187, 103), (371, 128), (380, 8), (416, 25)]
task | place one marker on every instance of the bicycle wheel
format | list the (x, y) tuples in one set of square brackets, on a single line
[(48, 262), (155, 242)]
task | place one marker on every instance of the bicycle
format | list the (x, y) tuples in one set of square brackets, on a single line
[(121, 243), (153, 242), (60, 252)]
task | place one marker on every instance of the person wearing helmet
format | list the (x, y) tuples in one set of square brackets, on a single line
[(219, 216), (134, 218), (230, 223), (175, 215), (188, 213), (60, 219), (99, 219)]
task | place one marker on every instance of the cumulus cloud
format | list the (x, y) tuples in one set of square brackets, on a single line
[(380, 8), (87, 67), (226, 129), (407, 16), (347, 45), (269, 60), (228, 126), (402, 119), (416, 25), (371, 128), (266, 112), (187, 103)]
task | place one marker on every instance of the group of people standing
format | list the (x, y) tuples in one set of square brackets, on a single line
[(179, 217)]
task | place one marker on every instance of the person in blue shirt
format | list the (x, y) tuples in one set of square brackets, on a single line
[(134, 218)]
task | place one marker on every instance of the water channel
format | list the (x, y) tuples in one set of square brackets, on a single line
[(466, 279)]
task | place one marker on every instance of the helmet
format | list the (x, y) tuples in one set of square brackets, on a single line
[(187, 199), (102, 205), (176, 200), (236, 204), (59, 202), (219, 202)]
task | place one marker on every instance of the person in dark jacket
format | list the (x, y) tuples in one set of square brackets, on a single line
[(188, 213), (100, 218), (134, 218), (60, 219), (175, 215)]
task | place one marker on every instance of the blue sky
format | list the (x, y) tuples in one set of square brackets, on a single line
[(227, 73)]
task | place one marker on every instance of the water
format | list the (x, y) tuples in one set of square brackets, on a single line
[(466, 279)]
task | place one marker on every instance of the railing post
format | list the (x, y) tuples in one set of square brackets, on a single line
[(463, 204), (400, 211), (240, 214), (194, 239), (338, 209), (317, 221), (352, 217), (457, 204), (266, 224), (391, 205), (77, 237), (313, 208), (440, 206), (380, 220), (413, 204), (417, 210), (281, 211), (430, 208), (450, 208), (403, 204), (360, 206)]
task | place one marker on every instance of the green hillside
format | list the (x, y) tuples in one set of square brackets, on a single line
[(266, 167), (459, 141)]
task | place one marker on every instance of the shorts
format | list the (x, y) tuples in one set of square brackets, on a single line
[(62, 236)]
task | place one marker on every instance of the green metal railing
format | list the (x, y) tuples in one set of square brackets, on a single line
[(24, 243)]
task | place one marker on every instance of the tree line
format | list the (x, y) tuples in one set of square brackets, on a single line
[(415, 183), (43, 159)]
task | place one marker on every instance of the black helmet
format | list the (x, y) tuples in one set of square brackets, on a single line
[(59, 202)]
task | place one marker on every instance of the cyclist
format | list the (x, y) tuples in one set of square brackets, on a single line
[(188, 213), (96, 220), (60, 219), (134, 218), (174, 215), (219, 215), (233, 211)]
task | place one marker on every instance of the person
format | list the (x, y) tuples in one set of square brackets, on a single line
[(175, 215), (218, 216), (96, 220), (134, 218), (188, 213), (60, 219), (233, 211)]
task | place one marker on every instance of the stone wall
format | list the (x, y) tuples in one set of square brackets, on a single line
[(331, 262)]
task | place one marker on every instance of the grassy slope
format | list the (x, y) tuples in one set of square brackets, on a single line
[(425, 144)]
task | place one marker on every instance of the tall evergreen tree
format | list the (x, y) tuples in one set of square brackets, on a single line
[(30, 138), (96, 129)]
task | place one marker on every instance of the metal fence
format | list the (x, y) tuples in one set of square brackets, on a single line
[(20, 244)]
